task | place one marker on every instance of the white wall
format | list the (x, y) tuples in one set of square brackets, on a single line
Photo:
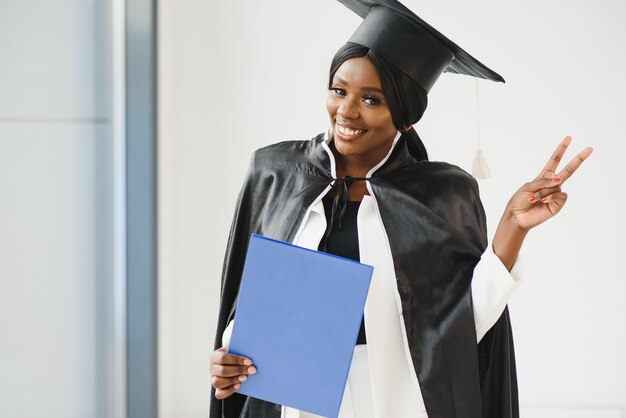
[(55, 209), (235, 76)]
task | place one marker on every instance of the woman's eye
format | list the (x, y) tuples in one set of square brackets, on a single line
[(338, 91), (371, 100)]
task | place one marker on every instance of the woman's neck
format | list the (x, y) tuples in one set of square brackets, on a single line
[(357, 166)]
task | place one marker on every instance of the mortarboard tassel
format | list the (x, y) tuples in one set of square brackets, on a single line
[(480, 169)]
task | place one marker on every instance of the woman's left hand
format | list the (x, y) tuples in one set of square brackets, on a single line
[(534, 203), (540, 199)]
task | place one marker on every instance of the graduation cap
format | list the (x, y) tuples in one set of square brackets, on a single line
[(393, 31)]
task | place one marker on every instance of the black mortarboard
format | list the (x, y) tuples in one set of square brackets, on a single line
[(423, 53)]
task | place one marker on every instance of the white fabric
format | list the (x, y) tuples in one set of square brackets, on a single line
[(395, 389), (492, 287)]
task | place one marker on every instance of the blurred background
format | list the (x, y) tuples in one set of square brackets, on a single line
[(126, 127)]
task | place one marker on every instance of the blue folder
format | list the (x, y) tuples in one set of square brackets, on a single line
[(298, 317)]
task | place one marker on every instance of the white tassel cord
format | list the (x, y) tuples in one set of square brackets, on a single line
[(480, 169)]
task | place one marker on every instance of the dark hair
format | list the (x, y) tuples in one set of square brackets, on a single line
[(406, 99)]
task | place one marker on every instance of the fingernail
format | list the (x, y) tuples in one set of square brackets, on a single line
[(556, 179), (251, 370), (243, 378), (247, 362), (543, 199), (237, 386), (532, 198)]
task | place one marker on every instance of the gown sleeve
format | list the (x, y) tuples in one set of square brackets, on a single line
[(492, 287)]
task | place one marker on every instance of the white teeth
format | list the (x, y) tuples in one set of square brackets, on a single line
[(349, 131)]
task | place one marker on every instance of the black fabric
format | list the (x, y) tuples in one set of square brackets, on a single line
[(436, 227), (337, 208), (497, 370), (344, 241)]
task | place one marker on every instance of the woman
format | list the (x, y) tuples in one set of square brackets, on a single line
[(438, 288)]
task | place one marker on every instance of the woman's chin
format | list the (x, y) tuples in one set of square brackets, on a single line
[(345, 149)]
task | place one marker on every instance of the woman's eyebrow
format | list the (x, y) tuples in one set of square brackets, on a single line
[(374, 89), (366, 89)]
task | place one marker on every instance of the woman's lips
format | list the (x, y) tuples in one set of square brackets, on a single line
[(348, 134)]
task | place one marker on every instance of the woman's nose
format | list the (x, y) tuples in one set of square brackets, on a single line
[(348, 109)]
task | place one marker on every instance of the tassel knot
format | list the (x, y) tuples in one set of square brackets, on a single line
[(480, 169)]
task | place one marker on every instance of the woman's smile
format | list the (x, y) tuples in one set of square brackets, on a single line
[(347, 132)]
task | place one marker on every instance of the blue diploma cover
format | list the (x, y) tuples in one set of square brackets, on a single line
[(298, 317)]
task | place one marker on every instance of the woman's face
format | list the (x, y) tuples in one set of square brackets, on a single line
[(359, 116)]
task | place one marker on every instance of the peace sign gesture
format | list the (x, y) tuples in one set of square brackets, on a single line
[(540, 199), (534, 203)]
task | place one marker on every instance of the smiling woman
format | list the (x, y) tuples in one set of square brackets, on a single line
[(361, 125), (436, 339), (373, 100)]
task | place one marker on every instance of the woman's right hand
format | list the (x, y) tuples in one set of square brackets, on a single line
[(228, 371)]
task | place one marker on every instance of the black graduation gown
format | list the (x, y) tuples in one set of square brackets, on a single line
[(436, 227)]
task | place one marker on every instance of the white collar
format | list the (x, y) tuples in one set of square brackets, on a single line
[(333, 169)]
